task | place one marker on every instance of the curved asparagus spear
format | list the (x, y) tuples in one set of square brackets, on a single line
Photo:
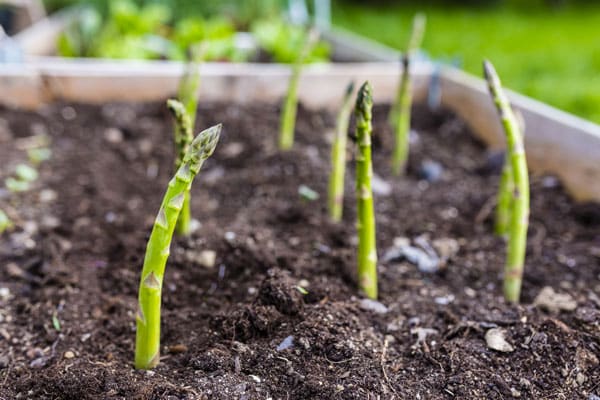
[(183, 138), (147, 343), (401, 109), (338, 157), (519, 211), (288, 114), (504, 198), (367, 252)]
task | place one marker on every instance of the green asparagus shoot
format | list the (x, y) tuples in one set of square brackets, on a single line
[(401, 109), (367, 252), (147, 343), (26, 173), (288, 114), (519, 209), (504, 198), (5, 222), (338, 157), (183, 138), (190, 82), (413, 45)]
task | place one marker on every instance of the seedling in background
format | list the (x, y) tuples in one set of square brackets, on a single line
[(38, 155), (338, 157), (288, 114), (5, 222), (400, 112), (367, 251), (518, 206), (147, 344)]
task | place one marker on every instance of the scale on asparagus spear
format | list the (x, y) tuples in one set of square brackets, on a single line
[(367, 252), (338, 157), (147, 342), (513, 198), (399, 116), (288, 114)]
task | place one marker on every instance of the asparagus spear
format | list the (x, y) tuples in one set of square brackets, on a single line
[(414, 42), (157, 251), (338, 157), (400, 112), (504, 198), (519, 211), (288, 115), (367, 252), (183, 138)]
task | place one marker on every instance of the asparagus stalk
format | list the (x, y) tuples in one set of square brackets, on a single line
[(147, 343), (519, 210), (288, 115), (183, 138), (338, 157), (400, 112), (367, 252), (414, 42), (504, 198)]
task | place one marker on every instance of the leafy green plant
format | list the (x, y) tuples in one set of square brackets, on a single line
[(518, 209), (290, 106), (338, 157), (5, 222), (147, 347), (285, 42), (129, 31), (367, 250), (400, 111)]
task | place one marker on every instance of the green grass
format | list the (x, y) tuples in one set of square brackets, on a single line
[(550, 55)]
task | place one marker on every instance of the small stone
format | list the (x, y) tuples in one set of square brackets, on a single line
[(230, 236), (4, 293), (207, 258), (254, 378), (286, 343), (232, 150), (431, 171), (580, 378), (307, 193), (515, 393), (177, 348), (69, 354), (113, 135), (14, 271), (68, 113), (551, 301), (379, 186), (47, 195), (444, 300), (446, 248), (495, 340), (49, 222), (373, 305), (145, 146)]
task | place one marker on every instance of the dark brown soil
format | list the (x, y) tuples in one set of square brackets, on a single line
[(71, 266)]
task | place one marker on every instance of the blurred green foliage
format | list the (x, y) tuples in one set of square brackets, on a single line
[(551, 54)]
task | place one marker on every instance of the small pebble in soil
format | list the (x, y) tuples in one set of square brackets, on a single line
[(373, 305), (69, 354), (207, 258), (495, 339), (232, 150), (230, 236), (307, 193), (380, 186), (555, 302), (430, 170), (444, 300), (286, 343), (68, 113), (4, 293), (113, 135), (47, 195)]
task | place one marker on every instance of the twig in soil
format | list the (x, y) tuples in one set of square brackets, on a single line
[(399, 116), (367, 251), (288, 114), (338, 157), (147, 346), (519, 207), (382, 361), (485, 210)]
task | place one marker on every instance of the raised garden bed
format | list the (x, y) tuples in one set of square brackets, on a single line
[(72, 268)]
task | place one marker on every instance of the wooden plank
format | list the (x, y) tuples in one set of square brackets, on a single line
[(556, 142), (321, 86)]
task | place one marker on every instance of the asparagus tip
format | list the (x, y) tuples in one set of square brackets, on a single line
[(205, 142), (364, 100), (175, 107)]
